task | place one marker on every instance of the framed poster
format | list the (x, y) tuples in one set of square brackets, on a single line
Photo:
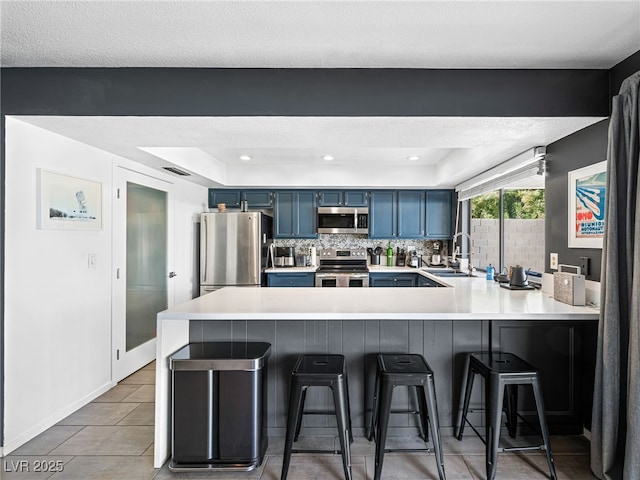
[(587, 195), (68, 203)]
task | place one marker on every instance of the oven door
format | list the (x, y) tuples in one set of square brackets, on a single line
[(353, 280)]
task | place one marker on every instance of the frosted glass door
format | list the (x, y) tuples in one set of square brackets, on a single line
[(146, 262), (142, 282)]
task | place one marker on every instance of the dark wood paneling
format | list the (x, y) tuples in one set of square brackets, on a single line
[(555, 348)]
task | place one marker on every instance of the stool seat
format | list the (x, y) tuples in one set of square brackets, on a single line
[(503, 372), (503, 363), (319, 371), (404, 370)]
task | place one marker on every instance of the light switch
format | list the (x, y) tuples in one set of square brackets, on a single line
[(92, 260)]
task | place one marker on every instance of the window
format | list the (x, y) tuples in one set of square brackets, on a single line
[(507, 227), (485, 230)]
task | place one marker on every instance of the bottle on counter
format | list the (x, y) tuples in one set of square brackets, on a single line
[(389, 255), (490, 272)]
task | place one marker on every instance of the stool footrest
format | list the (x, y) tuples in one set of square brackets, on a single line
[(334, 451), (407, 450), (319, 412), (518, 449)]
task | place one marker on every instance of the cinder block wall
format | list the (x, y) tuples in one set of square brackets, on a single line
[(524, 243)]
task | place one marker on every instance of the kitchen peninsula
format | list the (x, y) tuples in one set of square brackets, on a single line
[(440, 323)]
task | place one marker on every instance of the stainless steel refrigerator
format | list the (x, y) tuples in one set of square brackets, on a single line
[(234, 248)]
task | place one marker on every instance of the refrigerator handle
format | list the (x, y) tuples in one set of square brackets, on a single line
[(206, 241)]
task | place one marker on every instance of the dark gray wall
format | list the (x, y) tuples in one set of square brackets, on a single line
[(623, 70), (586, 147), (583, 148)]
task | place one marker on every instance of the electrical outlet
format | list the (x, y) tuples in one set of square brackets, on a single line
[(553, 261), (584, 266)]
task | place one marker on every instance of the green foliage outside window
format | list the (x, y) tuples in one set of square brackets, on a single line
[(521, 204)]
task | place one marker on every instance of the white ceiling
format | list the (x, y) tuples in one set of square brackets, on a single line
[(367, 34)]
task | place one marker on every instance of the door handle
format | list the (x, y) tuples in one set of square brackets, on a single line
[(172, 274)]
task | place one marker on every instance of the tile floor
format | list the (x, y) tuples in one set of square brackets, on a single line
[(112, 438)]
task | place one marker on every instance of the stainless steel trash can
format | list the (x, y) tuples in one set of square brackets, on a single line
[(218, 406)]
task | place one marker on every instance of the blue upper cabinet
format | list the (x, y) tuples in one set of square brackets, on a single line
[(258, 198), (295, 214), (411, 216), (439, 208), (331, 198), (231, 198), (383, 214), (356, 198), (339, 198)]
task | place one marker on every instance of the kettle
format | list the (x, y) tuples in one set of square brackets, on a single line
[(519, 277)]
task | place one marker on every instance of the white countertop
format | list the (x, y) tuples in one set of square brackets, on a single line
[(470, 299)]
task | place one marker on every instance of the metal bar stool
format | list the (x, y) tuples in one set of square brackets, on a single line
[(404, 370), (503, 373), (319, 371)]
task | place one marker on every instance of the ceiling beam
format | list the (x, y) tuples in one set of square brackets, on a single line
[(304, 92)]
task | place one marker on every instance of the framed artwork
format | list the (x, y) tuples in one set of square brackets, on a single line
[(68, 203), (587, 195)]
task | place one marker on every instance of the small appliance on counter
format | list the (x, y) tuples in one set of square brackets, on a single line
[(518, 279), (416, 260), (436, 259), (401, 258), (569, 285), (285, 257), (302, 260)]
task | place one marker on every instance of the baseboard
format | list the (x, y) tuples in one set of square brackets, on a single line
[(50, 421)]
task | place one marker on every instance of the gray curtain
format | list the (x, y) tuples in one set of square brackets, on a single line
[(615, 435)]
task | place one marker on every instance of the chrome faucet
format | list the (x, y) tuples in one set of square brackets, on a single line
[(453, 256)]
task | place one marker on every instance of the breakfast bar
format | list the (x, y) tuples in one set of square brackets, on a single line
[(442, 324)]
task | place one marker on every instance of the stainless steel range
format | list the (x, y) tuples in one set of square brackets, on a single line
[(342, 268)]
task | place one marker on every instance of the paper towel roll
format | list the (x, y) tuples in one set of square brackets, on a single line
[(313, 256)]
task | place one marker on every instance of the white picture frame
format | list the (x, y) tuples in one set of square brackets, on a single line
[(587, 206), (68, 203)]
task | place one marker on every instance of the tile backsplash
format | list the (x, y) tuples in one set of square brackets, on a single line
[(302, 246)]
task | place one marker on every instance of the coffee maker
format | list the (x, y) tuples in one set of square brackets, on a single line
[(285, 257)]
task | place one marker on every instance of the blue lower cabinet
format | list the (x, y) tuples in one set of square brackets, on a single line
[(393, 279), (427, 282), (400, 280), (291, 279)]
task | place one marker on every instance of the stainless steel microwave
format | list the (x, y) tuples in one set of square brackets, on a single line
[(343, 220)]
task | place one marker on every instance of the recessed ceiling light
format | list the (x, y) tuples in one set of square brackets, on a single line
[(328, 158), (413, 158), (245, 157)]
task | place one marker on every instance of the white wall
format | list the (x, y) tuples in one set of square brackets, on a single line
[(57, 310)]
